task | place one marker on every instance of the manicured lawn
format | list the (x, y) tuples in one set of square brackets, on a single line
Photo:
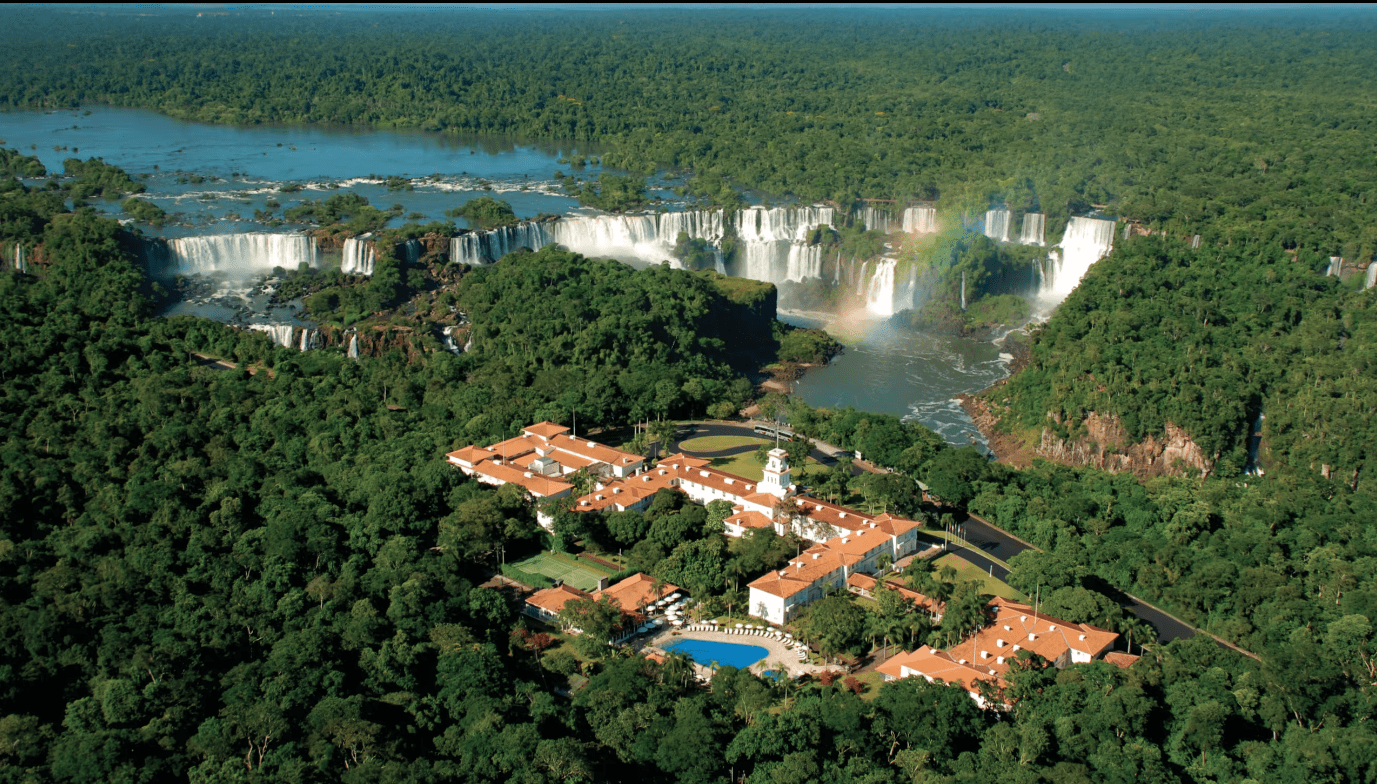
[(558, 566), (714, 443), (873, 681), (965, 570), (745, 466)]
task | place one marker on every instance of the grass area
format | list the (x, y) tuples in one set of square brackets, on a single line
[(558, 566), (714, 443), (956, 543), (745, 466), (873, 680), (581, 563), (965, 570)]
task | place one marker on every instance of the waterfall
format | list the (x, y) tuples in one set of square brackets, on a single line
[(485, 247), (1086, 241), (861, 280), (1195, 241), (360, 254), (997, 225), (281, 334), (310, 339), (772, 242), (20, 265), (879, 295), (1128, 227), (412, 251), (697, 224), (1336, 266), (1034, 229), (450, 344), (804, 261), (241, 254), (963, 291), (920, 220), (1371, 274), (719, 263), (353, 351), (875, 220)]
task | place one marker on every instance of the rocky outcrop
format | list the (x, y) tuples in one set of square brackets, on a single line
[(1101, 442)]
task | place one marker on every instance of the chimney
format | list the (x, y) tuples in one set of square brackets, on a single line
[(1032, 637), (815, 556), (999, 643), (1082, 636), (1023, 618), (1052, 628), (984, 654), (529, 475)]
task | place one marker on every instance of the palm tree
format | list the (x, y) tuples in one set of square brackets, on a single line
[(885, 561), (676, 668), (1132, 627)]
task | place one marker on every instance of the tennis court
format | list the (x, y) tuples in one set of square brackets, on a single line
[(581, 576)]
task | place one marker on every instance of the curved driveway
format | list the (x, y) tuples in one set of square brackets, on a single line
[(688, 431)]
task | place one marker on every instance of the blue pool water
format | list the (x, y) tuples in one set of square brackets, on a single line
[(726, 654)]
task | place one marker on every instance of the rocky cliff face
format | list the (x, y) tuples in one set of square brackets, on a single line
[(1104, 444), (1099, 442)]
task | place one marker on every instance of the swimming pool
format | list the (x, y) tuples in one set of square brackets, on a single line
[(726, 654)]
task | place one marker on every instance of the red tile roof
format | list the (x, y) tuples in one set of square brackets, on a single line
[(546, 429), (869, 584), (938, 665), (1121, 659), (1016, 627), (636, 591), (553, 599), (799, 574)]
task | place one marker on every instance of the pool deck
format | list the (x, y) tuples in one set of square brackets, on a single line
[(779, 653)]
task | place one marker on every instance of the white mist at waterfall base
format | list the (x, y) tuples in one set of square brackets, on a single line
[(240, 256), (228, 277)]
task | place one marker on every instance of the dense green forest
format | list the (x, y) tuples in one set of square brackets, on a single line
[(269, 573), (1208, 124), (225, 575), (1208, 339)]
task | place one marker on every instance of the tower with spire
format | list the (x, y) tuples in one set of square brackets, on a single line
[(777, 478)]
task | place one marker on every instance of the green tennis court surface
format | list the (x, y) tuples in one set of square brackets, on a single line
[(584, 578)]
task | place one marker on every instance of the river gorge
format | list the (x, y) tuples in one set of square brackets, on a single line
[(223, 185)]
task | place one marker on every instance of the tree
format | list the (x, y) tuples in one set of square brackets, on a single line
[(837, 623), (597, 619)]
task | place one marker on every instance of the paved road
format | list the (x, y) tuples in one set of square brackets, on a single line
[(979, 534), (989, 539)]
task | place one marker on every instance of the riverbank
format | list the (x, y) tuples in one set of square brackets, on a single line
[(1008, 449)]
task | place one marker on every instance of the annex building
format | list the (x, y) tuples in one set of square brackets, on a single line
[(988, 654)]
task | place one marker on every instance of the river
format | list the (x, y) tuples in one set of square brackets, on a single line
[(242, 170)]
